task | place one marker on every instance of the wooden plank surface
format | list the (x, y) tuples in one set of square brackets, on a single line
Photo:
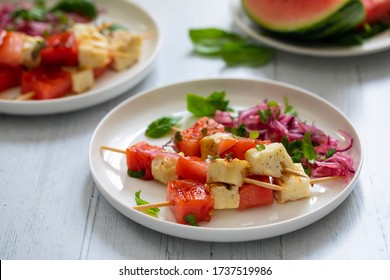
[(51, 208)]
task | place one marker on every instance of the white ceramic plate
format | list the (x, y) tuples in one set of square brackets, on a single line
[(125, 125), (112, 83), (375, 44)]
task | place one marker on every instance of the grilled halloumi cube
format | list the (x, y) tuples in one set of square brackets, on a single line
[(164, 168), (209, 144), (298, 186), (270, 161), (229, 171), (225, 196), (91, 56), (31, 49), (126, 43), (82, 79), (93, 47)]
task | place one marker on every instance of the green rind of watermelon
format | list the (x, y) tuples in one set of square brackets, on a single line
[(261, 11), (347, 17)]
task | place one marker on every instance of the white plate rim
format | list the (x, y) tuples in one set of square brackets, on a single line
[(378, 43), (96, 95), (230, 234)]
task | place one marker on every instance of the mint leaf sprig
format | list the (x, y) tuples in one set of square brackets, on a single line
[(139, 201), (201, 106), (234, 49)]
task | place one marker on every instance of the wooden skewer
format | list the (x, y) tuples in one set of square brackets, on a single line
[(152, 205), (118, 53), (294, 172), (265, 185), (324, 179), (314, 180), (27, 96), (104, 25), (113, 149), (147, 35), (113, 52), (255, 182), (247, 180)]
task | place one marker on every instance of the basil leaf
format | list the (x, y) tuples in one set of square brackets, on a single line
[(308, 149), (191, 219), (136, 174), (206, 106), (139, 201), (83, 7), (231, 47), (210, 41), (161, 126), (246, 54)]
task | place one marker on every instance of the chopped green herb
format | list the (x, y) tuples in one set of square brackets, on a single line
[(289, 110), (136, 174), (240, 131), (254, 134), (211, 158), (294, 149), (273, 103), (308, 149), (37, 49), (139, 201), (161, 126), (264, 115), (204, 131), (202, 106), (229, 156), (330, 153), (260, 147), (191, 219)]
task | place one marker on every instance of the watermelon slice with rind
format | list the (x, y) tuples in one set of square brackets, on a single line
[(309, 19)]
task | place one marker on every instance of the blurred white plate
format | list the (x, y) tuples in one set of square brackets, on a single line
[(125, 125), (112, 83), (375, 44)]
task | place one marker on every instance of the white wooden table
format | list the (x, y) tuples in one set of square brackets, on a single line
[(51, 208)]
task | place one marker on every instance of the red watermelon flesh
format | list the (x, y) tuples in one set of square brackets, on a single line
[(377, 10), (255, 196)]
